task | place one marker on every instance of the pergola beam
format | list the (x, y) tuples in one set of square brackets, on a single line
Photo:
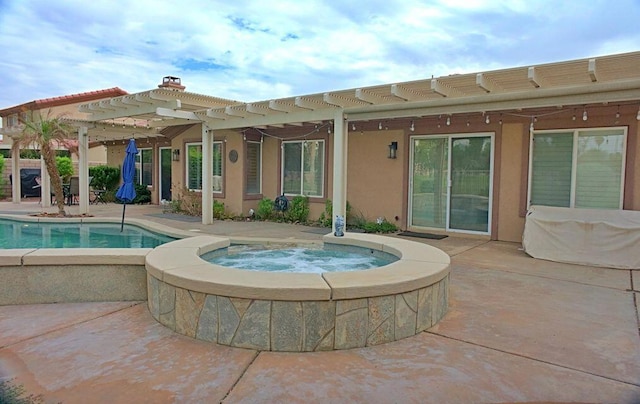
[(593, 75), (404, 93), (486, 83), (535, 77), (110, 112)]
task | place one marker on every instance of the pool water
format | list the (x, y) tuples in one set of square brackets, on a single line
[(300, 259), (16, 234)]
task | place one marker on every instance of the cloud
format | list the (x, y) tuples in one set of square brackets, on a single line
[(254, 50)]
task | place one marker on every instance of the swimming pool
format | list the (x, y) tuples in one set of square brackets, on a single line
[(23, 234)]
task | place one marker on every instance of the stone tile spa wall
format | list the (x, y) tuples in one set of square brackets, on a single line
[(303, 312), (297, 326)]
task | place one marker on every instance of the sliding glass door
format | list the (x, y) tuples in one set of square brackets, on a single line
[(450, 186)]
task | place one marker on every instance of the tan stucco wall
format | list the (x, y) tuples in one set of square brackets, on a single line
[(375, 182), (510, 224), (233, 173)]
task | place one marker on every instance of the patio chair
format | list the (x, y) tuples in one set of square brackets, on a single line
[(74, 190)]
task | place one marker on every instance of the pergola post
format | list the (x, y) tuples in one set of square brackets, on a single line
[(83, 169), (340, 142), (16, 192), (207, 175)]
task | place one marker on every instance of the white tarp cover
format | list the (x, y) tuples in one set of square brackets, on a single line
[(597, 237)]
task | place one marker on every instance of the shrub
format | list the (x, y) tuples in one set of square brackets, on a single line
[(105, 177), (186, 202), (65, 168), (143, 195), (379, 227), (265, 209), (298, 209), (218, 210), (326, 217)]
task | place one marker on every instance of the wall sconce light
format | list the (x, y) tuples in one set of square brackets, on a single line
[(175, 155), (393, 150)]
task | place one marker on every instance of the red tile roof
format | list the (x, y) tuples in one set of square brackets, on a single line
[(64, 100)]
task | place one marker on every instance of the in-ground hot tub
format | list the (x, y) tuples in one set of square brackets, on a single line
[(298, 312)]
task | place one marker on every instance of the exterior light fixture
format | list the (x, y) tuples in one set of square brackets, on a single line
[(638, 116), (379, 125), (393, 150), (448, 120), (487, 120), (412, 128), (584, 115), (175, 155), (353, 127)]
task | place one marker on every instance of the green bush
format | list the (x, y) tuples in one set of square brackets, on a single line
[(265, 209), (143, 195), (65, 168), (12, 393), (326, 217), (298, 211), (379, 227), (218, 210), (105, 177)]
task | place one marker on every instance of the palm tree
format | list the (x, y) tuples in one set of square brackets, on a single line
[(44, 133)]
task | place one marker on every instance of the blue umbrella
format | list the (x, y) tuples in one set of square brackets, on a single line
[(127, 191)]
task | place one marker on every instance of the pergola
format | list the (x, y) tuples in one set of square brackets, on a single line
[(584, 82)]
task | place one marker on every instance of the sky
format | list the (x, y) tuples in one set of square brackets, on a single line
[(258, 50)]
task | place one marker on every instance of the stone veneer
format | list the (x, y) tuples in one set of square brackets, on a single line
[(341, 311), (297, 326)]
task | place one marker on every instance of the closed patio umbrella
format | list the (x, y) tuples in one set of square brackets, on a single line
[(127, 192)]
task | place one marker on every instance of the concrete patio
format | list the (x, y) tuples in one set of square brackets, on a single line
[(517, 330)]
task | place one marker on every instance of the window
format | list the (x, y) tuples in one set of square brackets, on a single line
[(144, 167), (253, 181), (194, 166), (580, 168), (303, 168), (12, 120)]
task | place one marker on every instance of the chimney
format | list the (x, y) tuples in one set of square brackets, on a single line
[(171, 83)]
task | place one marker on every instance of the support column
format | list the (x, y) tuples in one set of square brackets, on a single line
[(83, 169), (207, 175), (16, 192), (45, 185), (340, 141)]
